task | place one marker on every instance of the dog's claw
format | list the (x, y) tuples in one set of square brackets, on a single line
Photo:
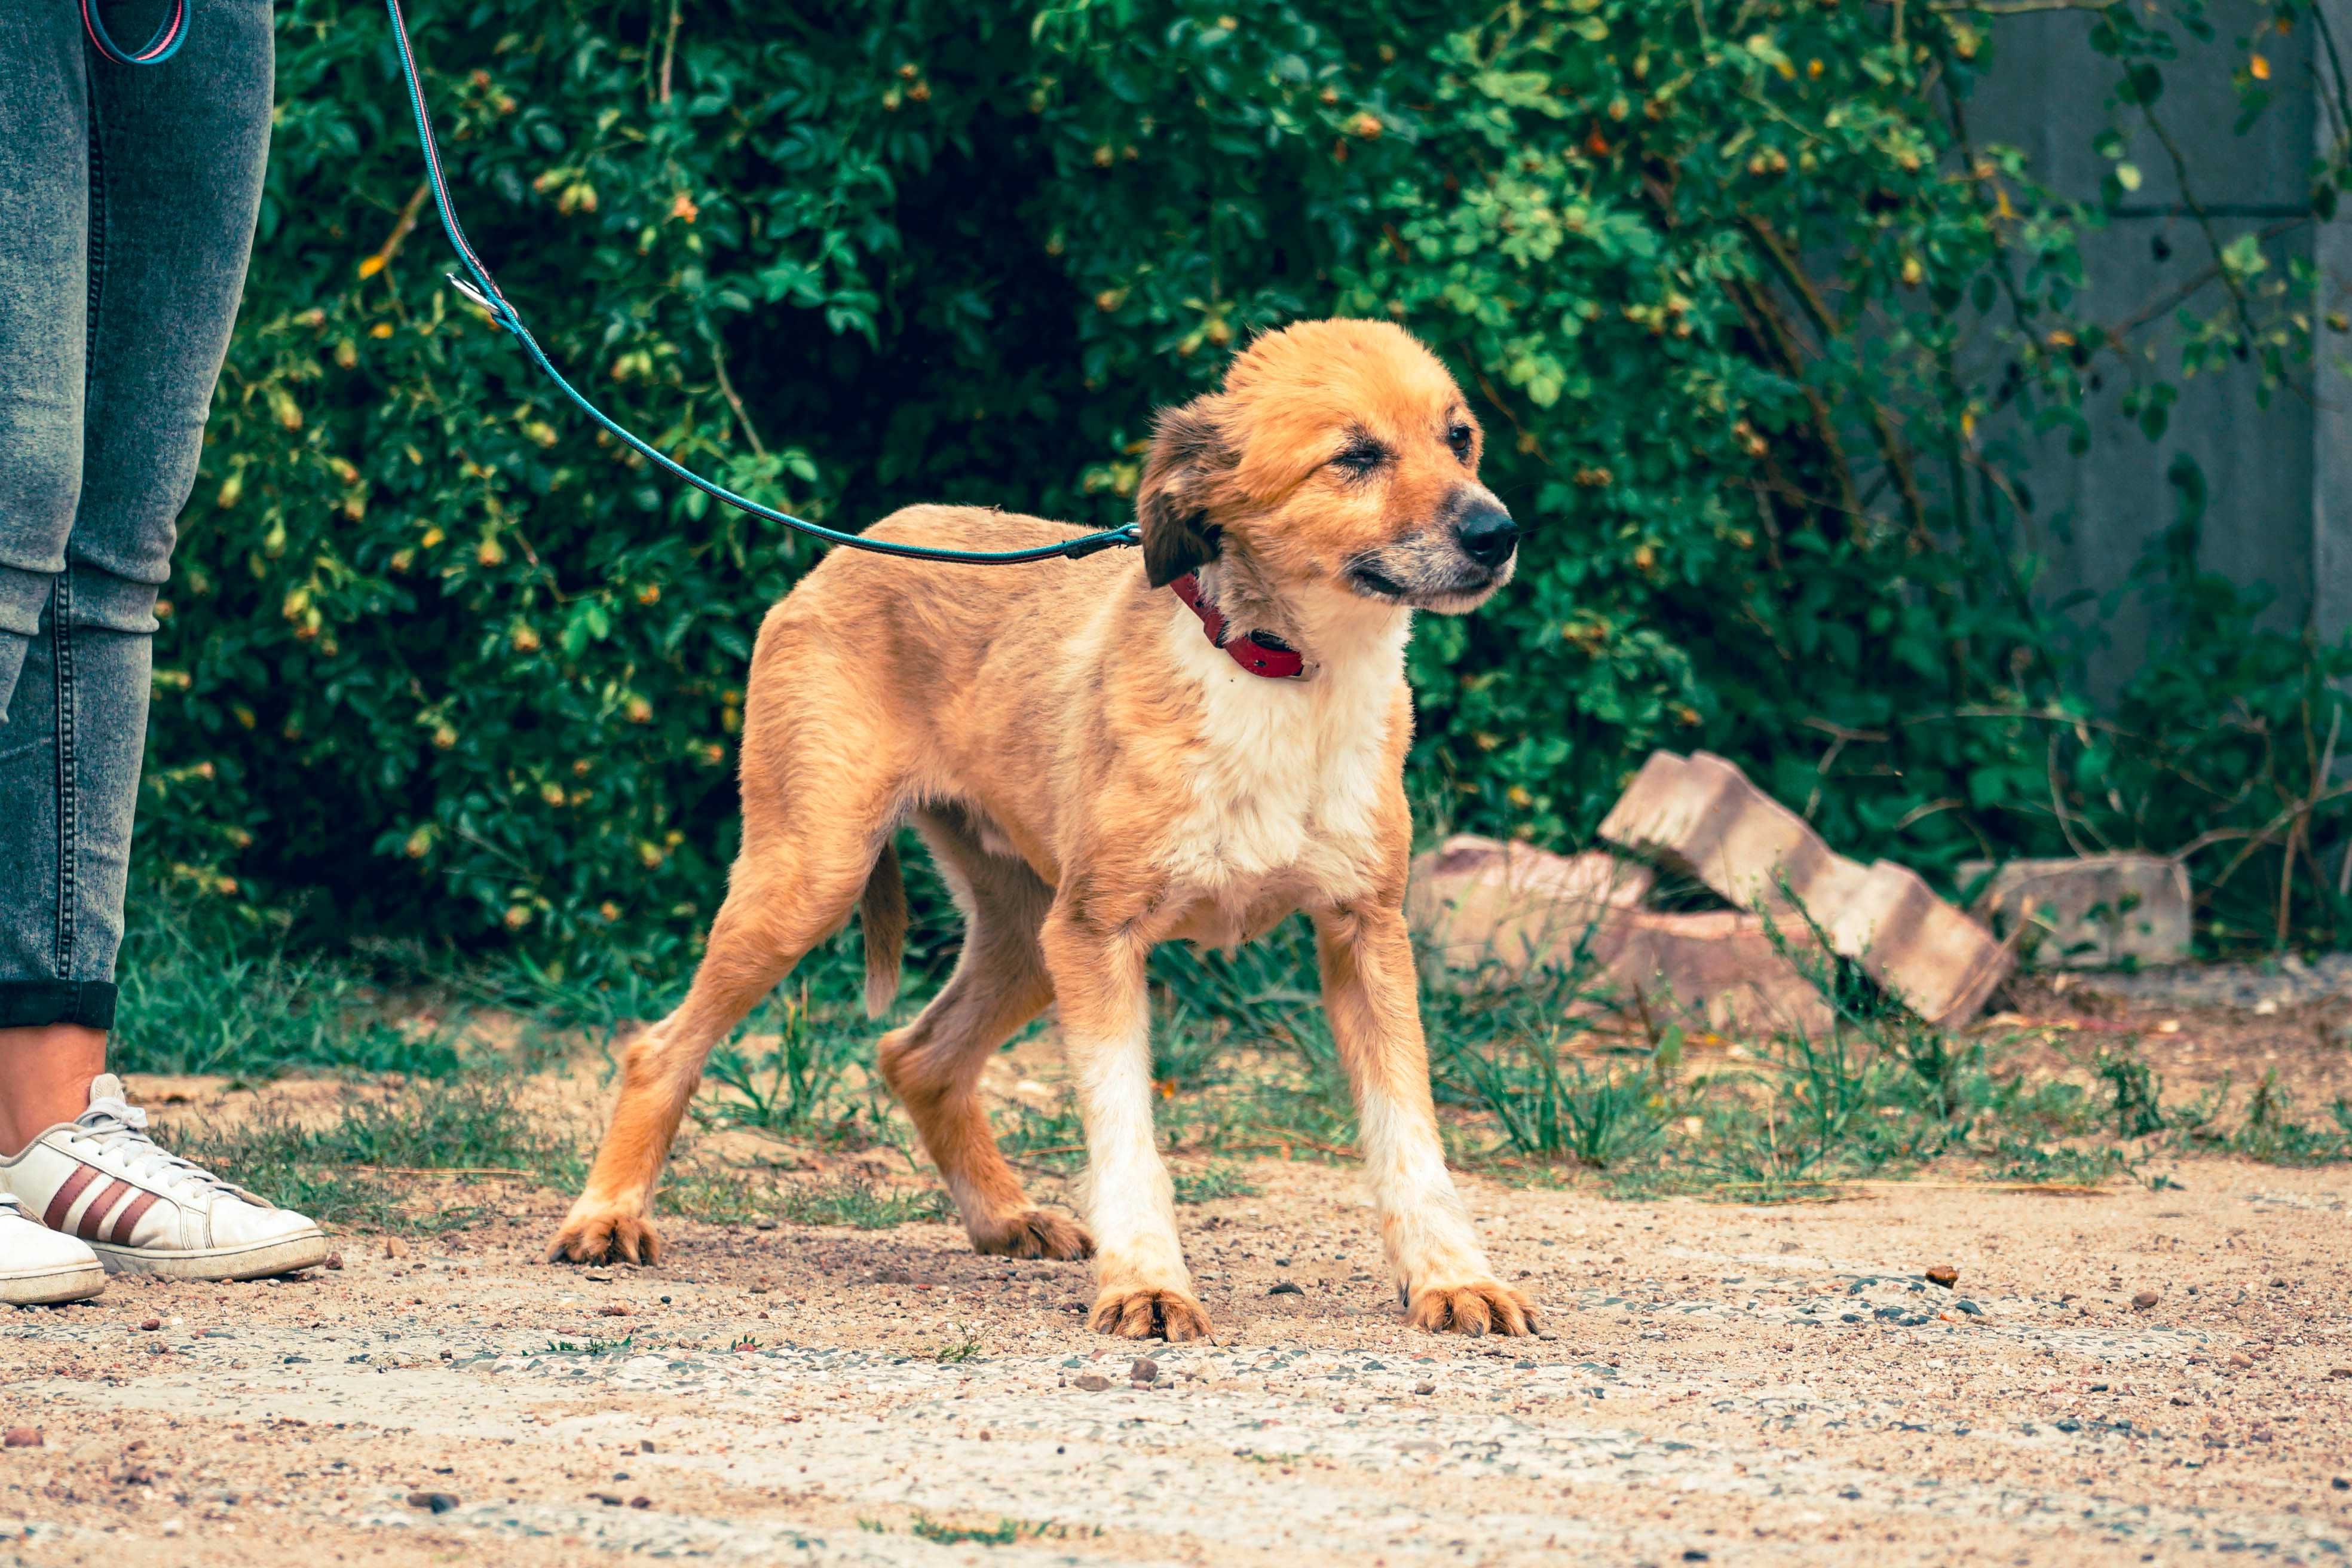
[(1480, 1307), (1142, 1313), (1033, 1233), (605, 1236)]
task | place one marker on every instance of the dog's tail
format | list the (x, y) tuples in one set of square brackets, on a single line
[(882, 914)]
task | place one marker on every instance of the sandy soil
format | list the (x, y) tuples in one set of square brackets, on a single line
[(1717, 1384)]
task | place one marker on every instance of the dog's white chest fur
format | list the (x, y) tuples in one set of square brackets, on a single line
[(1287, 777)]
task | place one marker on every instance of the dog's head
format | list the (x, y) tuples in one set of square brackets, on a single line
[(1339, 454)]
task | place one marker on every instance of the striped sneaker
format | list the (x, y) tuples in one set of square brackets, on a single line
[(144, 1210), (38, 1267)]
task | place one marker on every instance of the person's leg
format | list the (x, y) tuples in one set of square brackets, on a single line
[(48, 1021), (126, 236), (176, 154)]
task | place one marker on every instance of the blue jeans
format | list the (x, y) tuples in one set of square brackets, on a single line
[(127, 204)]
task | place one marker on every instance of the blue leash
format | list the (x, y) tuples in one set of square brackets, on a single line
[(484, 292)]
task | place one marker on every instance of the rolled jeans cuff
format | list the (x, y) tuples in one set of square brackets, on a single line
[(36, 1003)]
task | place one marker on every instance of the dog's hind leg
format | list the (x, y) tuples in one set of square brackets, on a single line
[(816, 816), (933, 1064)]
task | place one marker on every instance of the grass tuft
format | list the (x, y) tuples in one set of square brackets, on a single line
[(353, 1172), (860, 1202)]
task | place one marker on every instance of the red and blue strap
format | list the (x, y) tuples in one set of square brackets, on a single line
[(154, 52)]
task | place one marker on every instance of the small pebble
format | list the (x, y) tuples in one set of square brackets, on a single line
[(2144, 1301), (645, 1445), (763, 1225), (613, 1309), (1970, 1307), (437, 1502), (1424, 1388), (2339, 1372), (151, 1324), (1092, 1382), (1144, 1370), (641, 1502), (1944, 1274), (1286, 1288), (334, 1261), (23, 1437), (763, 1285), (394, 1247)]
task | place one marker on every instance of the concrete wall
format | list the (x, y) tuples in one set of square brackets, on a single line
[(2279, 478)]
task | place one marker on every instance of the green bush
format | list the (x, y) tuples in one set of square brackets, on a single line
[(441, 655)]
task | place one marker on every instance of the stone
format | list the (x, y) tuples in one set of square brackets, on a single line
[(1092, 1382), (1286, 1288), (1944, 1274), (2093, 911), (1479, 899), (1702, 815), (2144, 1301), (1144, 1370), (433, 1502), (23, 1437), (1424, 1388), (1482, 904), (394, 1247)]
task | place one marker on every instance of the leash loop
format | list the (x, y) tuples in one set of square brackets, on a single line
[(169, 36)]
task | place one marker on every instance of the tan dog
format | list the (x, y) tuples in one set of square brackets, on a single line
[(1094, 776)]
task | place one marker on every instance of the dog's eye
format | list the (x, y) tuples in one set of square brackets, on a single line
[(1458, 437), (1361, 456)]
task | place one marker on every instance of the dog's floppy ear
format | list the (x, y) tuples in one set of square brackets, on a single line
[(1171, 505)]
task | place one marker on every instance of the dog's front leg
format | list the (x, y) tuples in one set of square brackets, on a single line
[(1374, 1005), (1142, 1287)]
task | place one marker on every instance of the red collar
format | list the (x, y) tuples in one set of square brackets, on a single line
[(1270, 660)]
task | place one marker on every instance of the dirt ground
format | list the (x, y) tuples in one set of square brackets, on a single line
[(2147, 1375), (1715, 1383)]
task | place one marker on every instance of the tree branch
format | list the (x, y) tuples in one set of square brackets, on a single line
[(1890, 444)]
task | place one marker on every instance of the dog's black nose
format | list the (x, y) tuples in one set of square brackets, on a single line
[(1487, 534)]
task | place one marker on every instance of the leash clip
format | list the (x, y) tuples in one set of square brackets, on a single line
[(496, 311), (1112, 539)]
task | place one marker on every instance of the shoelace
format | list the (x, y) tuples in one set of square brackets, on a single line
[(120, 1129)]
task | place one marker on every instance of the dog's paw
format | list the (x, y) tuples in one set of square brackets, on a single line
[(1033, 1233), (1478, 1306), (602, 1232), (1140, 1312)]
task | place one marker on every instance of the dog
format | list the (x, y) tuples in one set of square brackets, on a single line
[(1103, 755)]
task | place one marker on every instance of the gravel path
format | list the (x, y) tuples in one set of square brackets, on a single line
[(2261, 988), (1716, 1384)]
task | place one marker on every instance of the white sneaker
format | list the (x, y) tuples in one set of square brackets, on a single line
[(144, 1210), (39, 1267)]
